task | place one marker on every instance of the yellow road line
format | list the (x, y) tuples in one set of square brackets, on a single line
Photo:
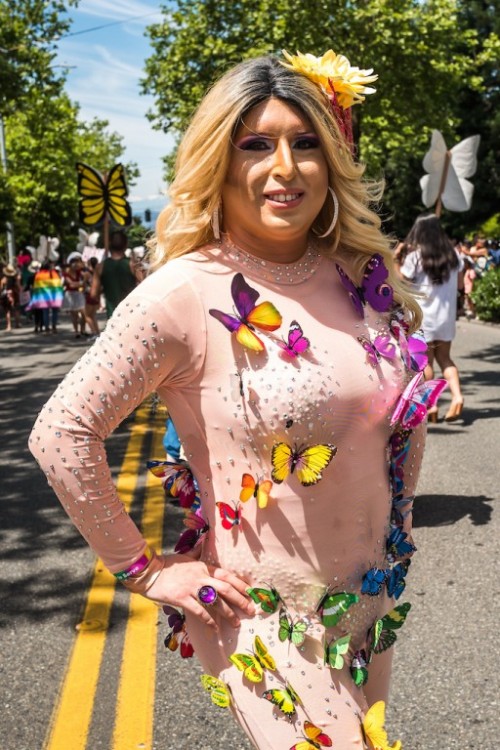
[(135, 703), (72, 714)]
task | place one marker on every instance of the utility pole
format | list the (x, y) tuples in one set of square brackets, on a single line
[(3, 157)]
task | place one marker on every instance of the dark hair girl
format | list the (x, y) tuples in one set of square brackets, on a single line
[(437, 253)]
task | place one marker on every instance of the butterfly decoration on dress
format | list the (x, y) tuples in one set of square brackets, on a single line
[(335, 651), (259, 489), (359, 671), (332, 607), (176, 622), (314, 738), (284, 698), (382, 635), (253, 665), (382, 346), (372, 729), (177, 637), (197, 527), (290, 629), (178, 480), (374, 288), (416, 399), (230, 514), (413, 347), (399, 444), (219, 691), (396, 579), (296, 343), (269, 599), (99, 197), (307, 462), (373, 580), (401, 509), (397, 545), (249, 316)]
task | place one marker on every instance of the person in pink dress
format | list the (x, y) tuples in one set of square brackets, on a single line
[(275, 330)]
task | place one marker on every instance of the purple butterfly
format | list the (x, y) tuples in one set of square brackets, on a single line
[(373, 290), (176, 624), (411, 409), (249, 316), (297, 342), (196, 528), (382, 346)]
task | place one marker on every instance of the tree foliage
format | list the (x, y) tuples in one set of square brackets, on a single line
[(44, 134), (44, 142), (428, 53)]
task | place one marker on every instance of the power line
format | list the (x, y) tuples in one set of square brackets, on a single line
[(107, 25)]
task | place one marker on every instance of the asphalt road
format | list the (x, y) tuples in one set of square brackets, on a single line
[(445, 689)]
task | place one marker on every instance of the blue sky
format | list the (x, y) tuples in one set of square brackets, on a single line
[(105, 82)]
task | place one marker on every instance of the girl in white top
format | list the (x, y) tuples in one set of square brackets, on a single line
[(433, 266)]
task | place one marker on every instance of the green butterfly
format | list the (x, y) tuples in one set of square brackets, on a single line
[(219, 691), (285, 698), (294, 631), (392, 621), (332, 606), (359, 672), (268, 599), (335, 651)]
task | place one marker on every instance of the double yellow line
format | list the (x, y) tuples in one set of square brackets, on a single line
[(72, 715)]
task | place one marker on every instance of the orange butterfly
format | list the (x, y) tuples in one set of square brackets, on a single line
[(259, 490)]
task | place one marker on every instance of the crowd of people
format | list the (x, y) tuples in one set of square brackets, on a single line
[(34, 292)]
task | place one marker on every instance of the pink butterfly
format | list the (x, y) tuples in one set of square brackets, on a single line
[(382, 346), (417, 397), (178, 480), (413, 348), (297, 342)]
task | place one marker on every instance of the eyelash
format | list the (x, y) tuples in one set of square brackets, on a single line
[(303, 143)]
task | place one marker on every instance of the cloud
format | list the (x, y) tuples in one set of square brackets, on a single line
[(114, 11)]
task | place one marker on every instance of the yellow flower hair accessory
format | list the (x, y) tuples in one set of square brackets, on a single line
[(343, 84), (334, 73)]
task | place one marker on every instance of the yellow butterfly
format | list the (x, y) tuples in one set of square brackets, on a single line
[(254, 665), (285, 698), (219, 691), (307, 462), (372, 727), (99, 197)]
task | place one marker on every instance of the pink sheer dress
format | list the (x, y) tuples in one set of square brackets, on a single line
[(237, 412)]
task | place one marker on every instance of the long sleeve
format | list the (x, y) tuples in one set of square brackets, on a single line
[(147, 343)]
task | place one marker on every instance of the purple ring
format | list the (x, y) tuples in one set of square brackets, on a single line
[(206, 595)]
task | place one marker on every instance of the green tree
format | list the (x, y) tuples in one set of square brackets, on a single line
[(44, 141), (29, 30), (479, 108), (424, 58)]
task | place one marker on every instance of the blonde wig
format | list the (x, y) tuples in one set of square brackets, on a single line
[(203, 159)]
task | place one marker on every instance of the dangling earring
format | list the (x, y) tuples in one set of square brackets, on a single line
[(335, 214), (216, 222)]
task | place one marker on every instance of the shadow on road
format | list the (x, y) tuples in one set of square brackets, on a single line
[(443, 510)]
